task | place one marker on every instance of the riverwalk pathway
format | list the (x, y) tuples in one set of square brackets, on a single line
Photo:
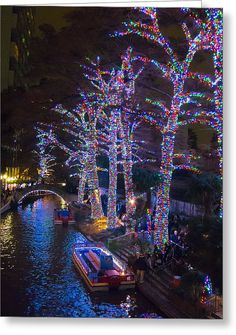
[(157, 287)]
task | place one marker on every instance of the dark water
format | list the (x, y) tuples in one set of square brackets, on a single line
[(38, 277)]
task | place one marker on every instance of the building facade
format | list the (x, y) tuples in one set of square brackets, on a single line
[(17, 29)]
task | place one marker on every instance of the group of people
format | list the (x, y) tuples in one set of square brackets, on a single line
[(173, 253)]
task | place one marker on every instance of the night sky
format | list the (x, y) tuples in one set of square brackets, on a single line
[(52, 15)]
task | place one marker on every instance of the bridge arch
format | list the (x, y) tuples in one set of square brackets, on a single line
[(40, 191)]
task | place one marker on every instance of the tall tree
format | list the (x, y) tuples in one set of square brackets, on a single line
[(76, 135), (115, 93), (185, 106), (46, 160)]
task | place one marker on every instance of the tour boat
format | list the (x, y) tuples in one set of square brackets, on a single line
[(100, 269), (63, 216)]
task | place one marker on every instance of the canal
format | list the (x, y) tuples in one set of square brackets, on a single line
[(38, 277)]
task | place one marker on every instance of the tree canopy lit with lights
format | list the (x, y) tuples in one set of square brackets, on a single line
[(186, 107), (105, 119)]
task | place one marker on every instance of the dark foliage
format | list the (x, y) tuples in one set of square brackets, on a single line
[(205, 241)]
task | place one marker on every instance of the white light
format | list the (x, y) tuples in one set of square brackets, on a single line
[(132, 201)]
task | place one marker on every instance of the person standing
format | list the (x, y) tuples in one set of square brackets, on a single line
[(141, 266), (149, 262)]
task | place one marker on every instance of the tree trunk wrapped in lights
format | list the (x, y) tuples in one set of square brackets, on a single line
[(128, 166), (127, 155), (93, 182), (43, 152), (215, 20), (112, 191), (213, 27), (81, 187), (177, 71), (127, 123), (115, 86), (81, 149)]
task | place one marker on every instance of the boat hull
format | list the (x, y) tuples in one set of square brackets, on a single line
[(105, 284), (67, 222), (91, 286), (63, 216)]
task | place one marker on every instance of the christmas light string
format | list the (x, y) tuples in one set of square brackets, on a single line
[(44, 154), (80, 124), (116, 89), (178, 72), (113, 106), (206, 290)]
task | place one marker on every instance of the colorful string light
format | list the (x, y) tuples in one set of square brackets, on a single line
[(44, 154), (209, 37), (101, 124), (80, 125), (116, 88), (206, 290)]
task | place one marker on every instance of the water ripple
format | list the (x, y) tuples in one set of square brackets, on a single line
[(38, 276)]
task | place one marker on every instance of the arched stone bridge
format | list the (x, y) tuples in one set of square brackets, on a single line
[(43, 189)]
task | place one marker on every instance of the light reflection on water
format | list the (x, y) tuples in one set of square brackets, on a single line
[(38, 276)]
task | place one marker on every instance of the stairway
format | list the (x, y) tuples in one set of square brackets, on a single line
[(156, 288)]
